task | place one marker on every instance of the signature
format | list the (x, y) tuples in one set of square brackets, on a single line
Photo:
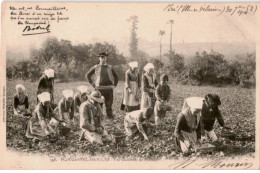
[(29, 30), (216, 163)]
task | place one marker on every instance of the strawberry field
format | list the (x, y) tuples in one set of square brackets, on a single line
[(237, 108)]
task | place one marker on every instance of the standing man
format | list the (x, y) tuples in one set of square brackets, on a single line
[(106, 80)]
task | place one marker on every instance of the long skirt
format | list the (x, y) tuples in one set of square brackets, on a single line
[(147, 101), (34, 129), (131, 100), (94, 137), (190, 139)]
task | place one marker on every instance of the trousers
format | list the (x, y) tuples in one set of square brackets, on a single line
[(108, 95)]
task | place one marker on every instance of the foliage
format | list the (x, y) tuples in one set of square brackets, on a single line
[(212, 68), (133, 39), (68, 61), (237, 108), (176, 63)]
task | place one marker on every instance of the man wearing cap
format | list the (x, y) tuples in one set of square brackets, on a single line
[(187, 126), (92, 119), (82, 96), (46, 83), (106, 81)]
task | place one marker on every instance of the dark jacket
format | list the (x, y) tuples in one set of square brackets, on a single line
[(103, 76), (17, 101), (209, 117)]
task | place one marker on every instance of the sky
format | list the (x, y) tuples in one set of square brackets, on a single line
[(99, 22)]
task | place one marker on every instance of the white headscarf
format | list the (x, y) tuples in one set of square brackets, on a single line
[(148, 66), (49, 73), (19, 86), (133, 64), (67, 93), (83, 89), (44, 96)]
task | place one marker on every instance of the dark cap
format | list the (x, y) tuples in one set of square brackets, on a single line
[(102, 54)]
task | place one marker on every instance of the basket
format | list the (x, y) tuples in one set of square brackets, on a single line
[(148, 128), (118, 137), (228, 135)]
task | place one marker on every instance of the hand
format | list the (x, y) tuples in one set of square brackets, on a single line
[(146, 138), (113, 86), (129, 90)]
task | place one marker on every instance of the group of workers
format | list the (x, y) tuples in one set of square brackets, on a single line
[(144, 100)]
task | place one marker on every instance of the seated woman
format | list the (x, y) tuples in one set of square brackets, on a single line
[(65, 107), (82, 96), (21, 103), (210, 113), (92, 119), (38, 126), (133, 122), (187, 126)]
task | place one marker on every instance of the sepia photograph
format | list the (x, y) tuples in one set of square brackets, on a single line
[(116, 85)]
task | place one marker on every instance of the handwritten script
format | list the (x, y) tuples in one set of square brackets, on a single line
[(239, 10), (37, 19), (210, 164)]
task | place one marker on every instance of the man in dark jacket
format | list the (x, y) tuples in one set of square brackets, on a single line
[(210, 113), (106, 80)]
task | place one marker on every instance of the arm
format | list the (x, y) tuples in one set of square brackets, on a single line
[(146, 87), (139, 80), (177, 131), (87, 120), (140, 128), (60, 109), (26, 102), (157, 94), (127, 79), (169, 96), (220, 118), (89, 74), (40, 84), (16, 102), (115, 76), (72, 110)]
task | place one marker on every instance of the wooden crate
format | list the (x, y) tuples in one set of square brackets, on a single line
[(204, 147)]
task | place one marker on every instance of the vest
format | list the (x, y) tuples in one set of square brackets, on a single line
[(98, 73)]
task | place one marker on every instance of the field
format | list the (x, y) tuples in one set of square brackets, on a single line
[(238, 110)]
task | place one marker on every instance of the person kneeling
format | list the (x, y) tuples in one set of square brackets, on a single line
[(65, 108), (21, 103), (210, 113), (92, 119), (187, 126), (133, 122)]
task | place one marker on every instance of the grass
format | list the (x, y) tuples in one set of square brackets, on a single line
[(237, 108)]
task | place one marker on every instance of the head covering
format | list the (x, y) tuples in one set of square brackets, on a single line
[(96, 95), (67, 93), (133, 64), (164, 77), (44, 96), (83, 89), (195, 102), (148, 66), (102, 54), (49, 73), (19, 86)]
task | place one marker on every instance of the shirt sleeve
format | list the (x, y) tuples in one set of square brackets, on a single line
[(72, 110), (40, 84), (220, 118), (115, 76), (127, 79), (89, 74), (146, 86), (177, 131), (16, 101), (26, 102)]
